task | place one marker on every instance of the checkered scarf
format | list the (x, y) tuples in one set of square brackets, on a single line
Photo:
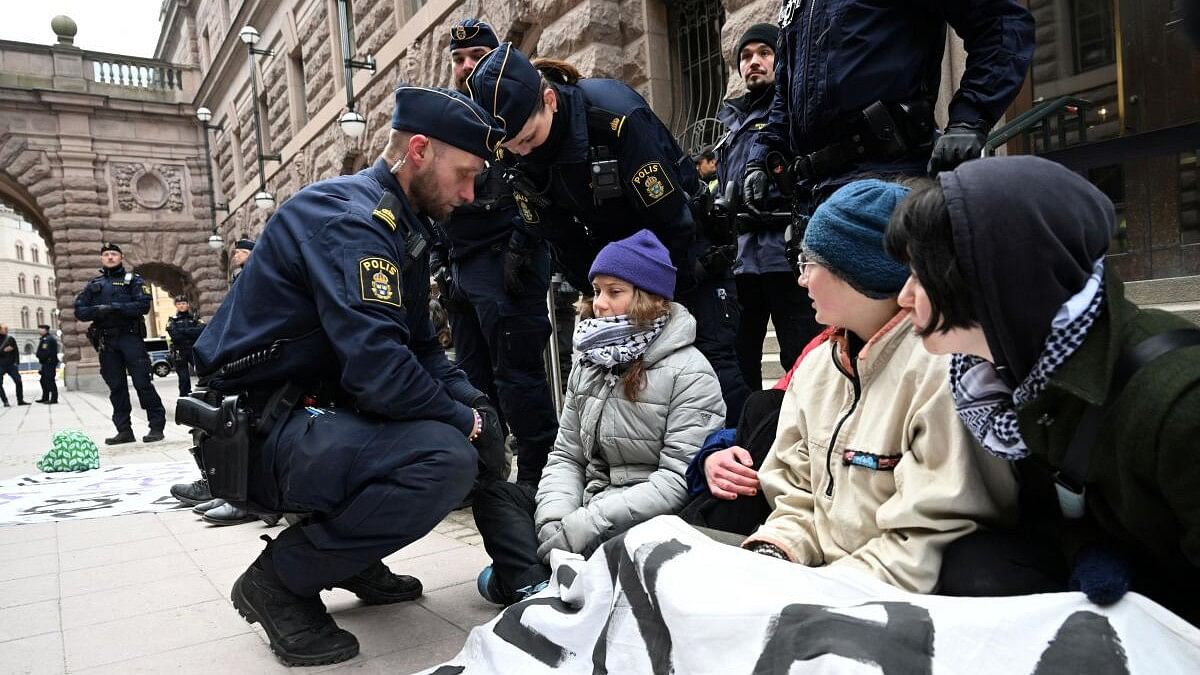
[(988, 406), (611, 340)]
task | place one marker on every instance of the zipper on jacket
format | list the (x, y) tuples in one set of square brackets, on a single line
[(838, 429), (724, 298)]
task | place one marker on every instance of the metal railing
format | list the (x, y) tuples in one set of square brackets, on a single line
[(1037, 120)]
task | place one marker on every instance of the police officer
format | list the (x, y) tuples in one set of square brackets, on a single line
[(855, 87), (766, 285), (596, 165), (116, 302), (47, 356), (336, 304), (241, 255), (499, 323), (184, 329)]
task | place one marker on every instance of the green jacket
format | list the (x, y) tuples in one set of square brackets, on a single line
[(1143, 485)]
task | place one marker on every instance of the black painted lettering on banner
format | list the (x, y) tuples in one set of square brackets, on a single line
[(1085, 643), (903, 645), (510, 629)]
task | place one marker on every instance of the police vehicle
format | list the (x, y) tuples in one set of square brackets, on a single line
[(160, 356)]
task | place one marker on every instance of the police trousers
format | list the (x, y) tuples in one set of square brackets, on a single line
[(499, 341), (714, 304), (48, 373), (126, 354), (772, 297), (184, 370), (373, 486)]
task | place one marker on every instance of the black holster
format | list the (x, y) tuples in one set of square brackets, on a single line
[(223, 429)]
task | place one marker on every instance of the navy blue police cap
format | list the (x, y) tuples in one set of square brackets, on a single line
[(472, 33), (507, 85), (245, 244), (447, 116), (109, 246)]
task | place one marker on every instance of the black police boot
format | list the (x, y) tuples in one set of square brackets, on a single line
[(154, 435), (20, 402), (299, 629), (193, 493), (377, 585), (121, 437)]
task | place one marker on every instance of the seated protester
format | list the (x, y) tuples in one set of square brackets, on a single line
[(723, 476), (1008, 274), (871, 469), (639, 403)]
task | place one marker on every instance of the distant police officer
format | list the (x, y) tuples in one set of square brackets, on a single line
[(495, 292), (855, 88), (766, 285), (596, 165), (241, 255), (47, 356), (116, 303), (184, 329), (336, 303)]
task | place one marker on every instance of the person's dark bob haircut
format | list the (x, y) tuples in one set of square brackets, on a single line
[(920, 235)]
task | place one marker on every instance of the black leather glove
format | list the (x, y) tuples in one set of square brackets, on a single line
[(490, 442), (103, 310), (754, 187), (960, 142), (445, 283), (515, 262), (716, 261)]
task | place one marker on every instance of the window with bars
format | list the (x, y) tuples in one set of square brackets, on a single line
[(694, 27), (1093, 36)]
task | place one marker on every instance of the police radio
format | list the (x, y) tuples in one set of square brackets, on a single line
[(606, 182)]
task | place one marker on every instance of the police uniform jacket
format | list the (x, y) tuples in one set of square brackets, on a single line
[(836, 57), (340, 286), (655, 176), (47, 351), (485, 222), (184, 329), (762, 251), (125, 292)]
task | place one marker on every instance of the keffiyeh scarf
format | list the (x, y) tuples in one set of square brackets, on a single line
[(988, 406), (612, 340)]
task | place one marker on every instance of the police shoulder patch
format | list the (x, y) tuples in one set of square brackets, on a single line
[(528, 214), (379, 280), (651, 183)]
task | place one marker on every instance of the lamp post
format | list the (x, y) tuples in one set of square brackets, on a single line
[(262, 198), (352, 122), (205, 116)]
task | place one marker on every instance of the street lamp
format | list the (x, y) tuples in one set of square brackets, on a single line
[(205, 116), (351, 122), (262, 198), (215, 242)]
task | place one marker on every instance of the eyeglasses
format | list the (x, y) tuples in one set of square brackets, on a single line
[(804, 265)]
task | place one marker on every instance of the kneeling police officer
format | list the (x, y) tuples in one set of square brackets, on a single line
[(329, 335)]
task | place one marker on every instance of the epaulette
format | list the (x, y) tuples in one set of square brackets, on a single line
[(604, 125), (386, 212)]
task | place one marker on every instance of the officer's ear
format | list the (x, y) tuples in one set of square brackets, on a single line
[(550, 99), (420, 149)]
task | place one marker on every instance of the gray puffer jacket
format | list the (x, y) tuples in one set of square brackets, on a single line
[(617, 463)]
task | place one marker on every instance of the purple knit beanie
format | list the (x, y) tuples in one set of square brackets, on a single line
[(641, 260)]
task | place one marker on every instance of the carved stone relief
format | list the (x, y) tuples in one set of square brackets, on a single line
[(149, 187)]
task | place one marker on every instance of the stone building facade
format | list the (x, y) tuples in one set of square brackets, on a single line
[(26, 283), (302, 83)]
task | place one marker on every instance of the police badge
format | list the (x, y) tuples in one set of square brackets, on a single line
[(651, 183), (460, 33), (379, 279)]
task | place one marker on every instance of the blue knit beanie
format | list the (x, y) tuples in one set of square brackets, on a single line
[(845, 235), (641, 260)]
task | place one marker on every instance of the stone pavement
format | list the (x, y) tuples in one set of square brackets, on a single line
[(149, 593)]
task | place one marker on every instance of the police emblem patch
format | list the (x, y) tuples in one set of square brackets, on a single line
[(379, 280), (527, 213), (460, 33), (652, 183)]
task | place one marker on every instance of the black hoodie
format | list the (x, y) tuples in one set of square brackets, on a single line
[(1027, 232)]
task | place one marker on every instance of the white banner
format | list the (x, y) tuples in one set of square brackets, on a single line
[(107, 491), (664, 598)]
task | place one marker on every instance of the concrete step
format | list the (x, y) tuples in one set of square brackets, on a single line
[(1160, 292), (771, 343)]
